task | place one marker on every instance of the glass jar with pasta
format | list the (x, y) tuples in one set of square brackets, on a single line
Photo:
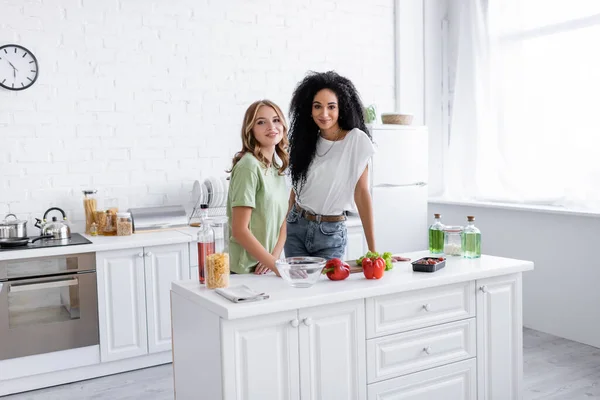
[(90, 205), (124, 224), (217, 264)]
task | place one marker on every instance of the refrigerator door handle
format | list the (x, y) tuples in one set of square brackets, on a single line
[(388, 185)]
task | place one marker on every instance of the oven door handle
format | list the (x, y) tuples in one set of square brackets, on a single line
[(44, 285)]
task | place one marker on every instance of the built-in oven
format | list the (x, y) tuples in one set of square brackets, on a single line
[(47, 304)]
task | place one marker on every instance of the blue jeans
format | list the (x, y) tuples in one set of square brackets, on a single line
[(315, 239)]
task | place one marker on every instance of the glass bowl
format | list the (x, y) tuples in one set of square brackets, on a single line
[(301, 272)]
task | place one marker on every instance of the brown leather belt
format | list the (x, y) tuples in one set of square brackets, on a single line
[(319, 218)]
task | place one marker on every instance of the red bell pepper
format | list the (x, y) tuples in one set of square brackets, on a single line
[(378, 267), (367, 265), (373, 268), (336, 269)]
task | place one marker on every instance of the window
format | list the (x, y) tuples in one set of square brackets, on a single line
[(526, 126)]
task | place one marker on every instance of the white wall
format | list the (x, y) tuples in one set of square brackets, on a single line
[(139, 98), (560, 296)]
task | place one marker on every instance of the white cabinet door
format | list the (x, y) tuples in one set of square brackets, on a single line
[(260, 357), (499, 338), (121, 304), (451, 382), (332, 352), (356, 245), (163, 265)]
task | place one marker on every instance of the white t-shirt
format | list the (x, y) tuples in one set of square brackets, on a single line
[(334, 172)]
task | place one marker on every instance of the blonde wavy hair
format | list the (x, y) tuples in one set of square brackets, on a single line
[(250, 145)]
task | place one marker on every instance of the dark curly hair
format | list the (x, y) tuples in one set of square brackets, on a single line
[(304, 132)]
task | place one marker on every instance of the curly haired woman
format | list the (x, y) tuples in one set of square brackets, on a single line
[(257, 201), (330, 148)]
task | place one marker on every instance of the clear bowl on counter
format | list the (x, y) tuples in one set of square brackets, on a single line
[(301, 272)]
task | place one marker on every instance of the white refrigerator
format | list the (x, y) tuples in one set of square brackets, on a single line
[(399, 175)]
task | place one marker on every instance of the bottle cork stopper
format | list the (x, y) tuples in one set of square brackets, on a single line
[(470, 218), (437, 215)]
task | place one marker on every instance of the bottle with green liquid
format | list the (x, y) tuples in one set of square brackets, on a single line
[(436, 236), (471, 239)]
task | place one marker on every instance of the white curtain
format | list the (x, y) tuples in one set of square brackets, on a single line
[(525, 121)]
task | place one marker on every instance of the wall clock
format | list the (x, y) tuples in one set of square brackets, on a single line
[(18, 67)]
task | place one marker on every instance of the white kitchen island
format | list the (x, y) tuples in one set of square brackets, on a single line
[(450, 335)]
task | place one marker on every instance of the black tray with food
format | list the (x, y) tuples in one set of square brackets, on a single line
[(429, 264)]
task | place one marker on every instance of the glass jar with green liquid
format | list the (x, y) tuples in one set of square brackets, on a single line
[(436, 236), (471, 239)]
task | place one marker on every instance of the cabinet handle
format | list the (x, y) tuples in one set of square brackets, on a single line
[(140, 254), (427, 350), (294, 323), (148, 254), (308, 321), (484, 289), (427, 307)]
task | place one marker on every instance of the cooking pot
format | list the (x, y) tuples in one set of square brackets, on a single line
[(57, 229), (13, 229)]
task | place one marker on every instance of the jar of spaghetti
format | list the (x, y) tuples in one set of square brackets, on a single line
[(90, 205), (217, 271)]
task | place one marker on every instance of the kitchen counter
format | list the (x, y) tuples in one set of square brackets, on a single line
[(455, 333), (103, 243), (401, 278)]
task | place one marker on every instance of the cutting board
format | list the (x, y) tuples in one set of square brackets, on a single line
[(353, 267)]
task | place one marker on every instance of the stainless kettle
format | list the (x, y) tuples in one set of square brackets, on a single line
[(58, 229)]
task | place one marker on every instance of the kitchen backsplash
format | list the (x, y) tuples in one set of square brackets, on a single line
[(137, 99)]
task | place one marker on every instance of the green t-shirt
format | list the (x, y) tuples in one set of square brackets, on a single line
[(263, 189)]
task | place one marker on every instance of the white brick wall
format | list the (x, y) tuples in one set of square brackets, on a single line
[(139, 98)]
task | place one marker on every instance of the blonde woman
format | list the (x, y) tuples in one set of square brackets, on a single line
[(257, 201)]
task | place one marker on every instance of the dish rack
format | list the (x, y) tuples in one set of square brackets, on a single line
[(213, 191)]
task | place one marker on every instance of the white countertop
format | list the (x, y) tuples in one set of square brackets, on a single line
[(400, 279), (105, 243)]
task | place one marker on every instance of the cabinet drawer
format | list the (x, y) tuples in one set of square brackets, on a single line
[(455, 381), (405, 353), (402, 312)]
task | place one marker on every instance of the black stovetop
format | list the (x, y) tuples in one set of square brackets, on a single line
[(75, 239)]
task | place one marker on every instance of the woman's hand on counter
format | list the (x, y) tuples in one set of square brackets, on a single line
[(262, 269)]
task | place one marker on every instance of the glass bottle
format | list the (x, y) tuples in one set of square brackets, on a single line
[(471, 240), (206, 241), (217, 264), (94, 229), (436, 236)]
